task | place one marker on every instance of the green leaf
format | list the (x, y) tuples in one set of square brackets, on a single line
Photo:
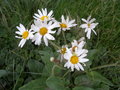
[(3, 73), (19, 83), (103, 87), (45, 55), (38, 84), (35, 66), (83, 80), (82, 88), (95, 76), (55, 83), (92, 54)]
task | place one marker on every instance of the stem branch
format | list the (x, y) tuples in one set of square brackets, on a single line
[(64, 37)]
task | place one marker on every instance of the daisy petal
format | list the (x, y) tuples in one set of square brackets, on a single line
[(84, 20), (89, 18), (80, 66), (50, 13), (19, 33), (22, 42), (22, 27), (84, 60), (92, 20), (18, 37), (77, 67), (83, 26), (94, 32), (89, 33), (45, 40), (50, 37)]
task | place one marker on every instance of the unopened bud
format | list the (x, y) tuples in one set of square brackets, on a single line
[(52, 59)]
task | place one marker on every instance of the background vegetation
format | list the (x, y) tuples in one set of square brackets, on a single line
[(20, 66)]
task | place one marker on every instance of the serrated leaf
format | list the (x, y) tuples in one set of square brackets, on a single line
[(82, 88), (55, 83), (38, 84), (95, 76)]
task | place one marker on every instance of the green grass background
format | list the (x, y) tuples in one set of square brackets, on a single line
[(106, 12)]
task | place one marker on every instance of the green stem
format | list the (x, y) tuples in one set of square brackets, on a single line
[(105, 66), (66, 73), (53, 69), (53, 44), (99, 67), (20, 74), (72, 79), (64, 37)]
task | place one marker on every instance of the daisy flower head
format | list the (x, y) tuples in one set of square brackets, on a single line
[(65, 24), (89, 26), (43, 30), (62, 51), (43, 15), (77, 44), (76, 60), (24, 35)]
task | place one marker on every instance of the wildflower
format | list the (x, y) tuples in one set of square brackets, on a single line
[(89, 26), (77, 45), (43, 30), (62, 51), (76, 59), (25, 35), (43, 15), (65, 24)]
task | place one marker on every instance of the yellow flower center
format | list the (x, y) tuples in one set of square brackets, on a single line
[(74, 59), (89, 25), (62, 25), (73, 49), (43, 30), (25, 34), (63, 50), (44, 17)]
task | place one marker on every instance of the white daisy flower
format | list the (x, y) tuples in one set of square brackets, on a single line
[(25, 35), (89, 26), (43, 15), (76, 59), (43, 30), (62, 51), (65, 24), (77, 44)]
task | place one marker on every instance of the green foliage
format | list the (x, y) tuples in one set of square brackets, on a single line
[(56, 83), (37, 84), (82, 88), (95, 76), (35, 67), (3, 73)]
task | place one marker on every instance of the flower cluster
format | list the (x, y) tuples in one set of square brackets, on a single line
[(44, 28), (75, 55)]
